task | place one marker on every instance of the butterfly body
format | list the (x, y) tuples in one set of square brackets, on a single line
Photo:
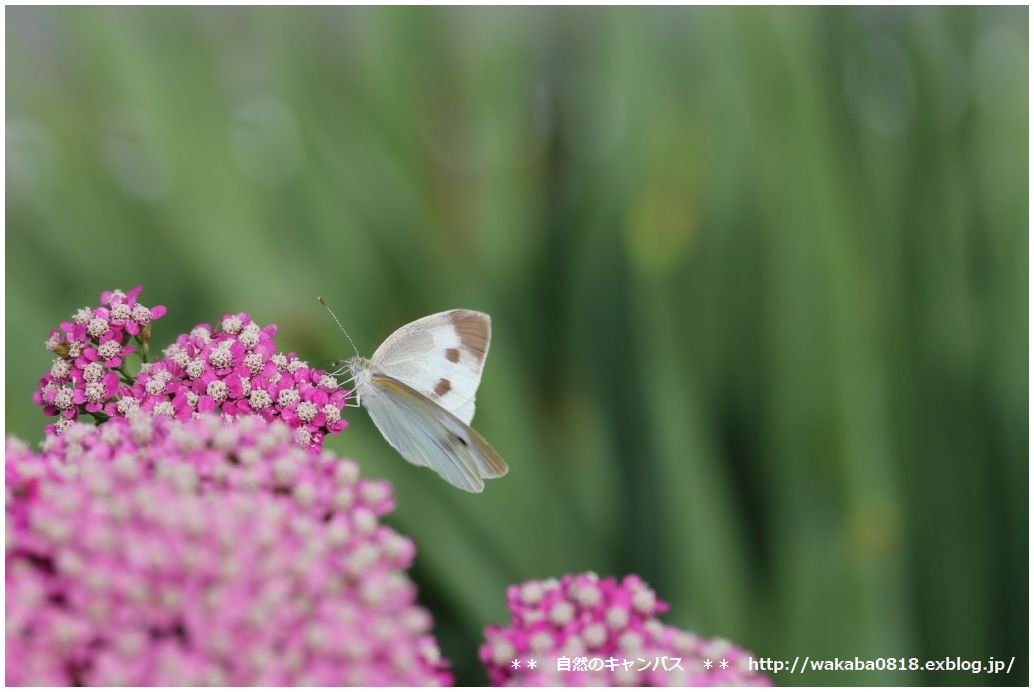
[(361, 370), (419, 387)]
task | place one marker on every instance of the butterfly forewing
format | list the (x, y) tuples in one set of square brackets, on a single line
[(441, 356)]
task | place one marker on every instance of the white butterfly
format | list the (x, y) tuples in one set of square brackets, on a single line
[(419, 389)]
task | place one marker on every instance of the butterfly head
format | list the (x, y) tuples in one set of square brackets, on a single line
[(359, 368), (356, 365)]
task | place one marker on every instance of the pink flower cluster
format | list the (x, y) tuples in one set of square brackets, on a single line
[(565, 625), (236, 370), (232, 370), (90, 349), (205, 551)]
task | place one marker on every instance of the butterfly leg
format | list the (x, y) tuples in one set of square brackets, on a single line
[(342, 383), (352, 394), (352, 400)]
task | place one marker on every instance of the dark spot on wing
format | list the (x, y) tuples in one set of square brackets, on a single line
[(443, 387), (460, 440), (453, 355)]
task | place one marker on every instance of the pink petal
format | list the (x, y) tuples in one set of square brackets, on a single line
[(234, 386), (110, 381)]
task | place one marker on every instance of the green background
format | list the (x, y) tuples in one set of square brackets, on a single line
[(758, 280)]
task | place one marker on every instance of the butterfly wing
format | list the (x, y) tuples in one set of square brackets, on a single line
[(440, 356), (426, 434)]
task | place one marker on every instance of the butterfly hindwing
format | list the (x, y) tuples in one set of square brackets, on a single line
[(426, 434)]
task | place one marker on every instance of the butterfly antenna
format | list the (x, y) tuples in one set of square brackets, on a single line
[(343, 330)]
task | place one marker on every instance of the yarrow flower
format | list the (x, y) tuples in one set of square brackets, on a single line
[(90, 350), (235, 369), (231, 369), (582, 630), (151, 551), (125, 312)]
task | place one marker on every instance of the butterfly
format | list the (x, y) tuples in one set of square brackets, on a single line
[(419, 387)]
